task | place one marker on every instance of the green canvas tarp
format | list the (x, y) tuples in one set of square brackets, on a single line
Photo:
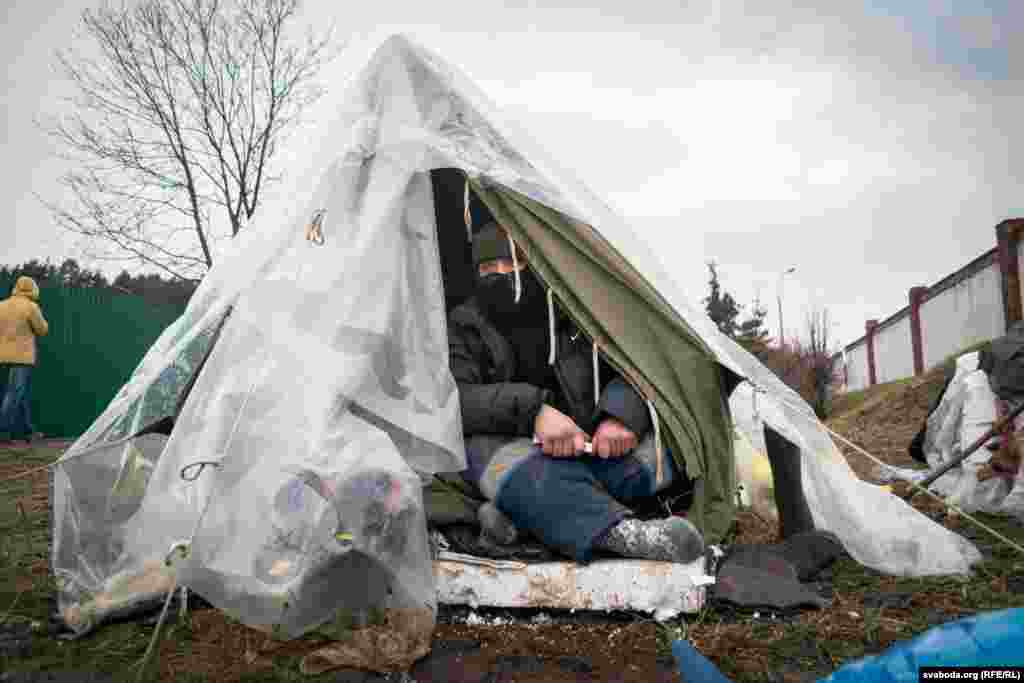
[(642, 337)]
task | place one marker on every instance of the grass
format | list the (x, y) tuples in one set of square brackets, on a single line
[(202, 646), (26, 589)]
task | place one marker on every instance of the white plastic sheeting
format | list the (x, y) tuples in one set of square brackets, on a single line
[(876, 528), (328, 396), (978, 414), (941, 439), (967, 410), (753, 469)]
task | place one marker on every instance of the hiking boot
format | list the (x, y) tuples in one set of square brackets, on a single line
[(668, 540), (495, 525)]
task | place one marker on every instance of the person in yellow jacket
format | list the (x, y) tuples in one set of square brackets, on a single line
[(21, 321)]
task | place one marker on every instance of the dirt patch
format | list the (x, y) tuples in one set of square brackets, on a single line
[(562, 652), (31, 491), (212, 645), (752, 528), (886, 427)]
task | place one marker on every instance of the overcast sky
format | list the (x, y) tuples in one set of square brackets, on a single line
[(869, 149)]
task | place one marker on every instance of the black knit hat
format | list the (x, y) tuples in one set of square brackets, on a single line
[(490, 244)]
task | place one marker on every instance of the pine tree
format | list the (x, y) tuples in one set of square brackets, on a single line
[(752, 333), (721, 306)]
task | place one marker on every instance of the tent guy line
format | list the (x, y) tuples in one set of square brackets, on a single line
[(917, 487)]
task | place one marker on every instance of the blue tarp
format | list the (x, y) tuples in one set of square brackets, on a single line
[(995, 639), (992, 639)]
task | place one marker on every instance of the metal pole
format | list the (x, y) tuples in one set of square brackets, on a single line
[(778, 297)]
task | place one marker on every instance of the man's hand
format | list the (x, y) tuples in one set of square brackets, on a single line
[(559, 436), (613, 439)]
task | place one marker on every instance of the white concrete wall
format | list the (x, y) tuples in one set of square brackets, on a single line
[(967, 313), (894, 354), (857, 368)]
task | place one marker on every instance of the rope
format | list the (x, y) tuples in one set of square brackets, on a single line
[(914, 485), (314, 231), (183, 607), (61, 461), (659, 477), (467, 215), (201, 464), (183, 547), (551, 327), (157, 630), (597, 378), (515, 267), (34, 470)]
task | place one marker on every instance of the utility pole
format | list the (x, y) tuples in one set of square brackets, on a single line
[(778, 296)]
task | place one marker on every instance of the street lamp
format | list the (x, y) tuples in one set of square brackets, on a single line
[(778, 296)]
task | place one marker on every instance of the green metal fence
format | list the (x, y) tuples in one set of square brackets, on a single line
[(97, 338)]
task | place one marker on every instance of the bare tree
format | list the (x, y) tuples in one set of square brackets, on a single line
[(175, 125), (819, 358)]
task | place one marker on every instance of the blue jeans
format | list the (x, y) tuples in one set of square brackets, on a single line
[(16, 409), (566, 503)]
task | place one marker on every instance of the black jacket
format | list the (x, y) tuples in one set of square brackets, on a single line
[(483, 363)]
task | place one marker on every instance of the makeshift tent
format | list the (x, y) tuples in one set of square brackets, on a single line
[(287, 491)]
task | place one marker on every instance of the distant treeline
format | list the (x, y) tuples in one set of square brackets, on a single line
[(151, 287)]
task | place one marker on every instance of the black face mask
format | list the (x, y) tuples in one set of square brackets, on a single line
[(496, 293)]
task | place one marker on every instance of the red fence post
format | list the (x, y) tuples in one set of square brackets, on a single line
[(1008, 234), (869, 328), (916, 296)]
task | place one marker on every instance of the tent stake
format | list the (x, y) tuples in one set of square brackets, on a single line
[(999, 425)]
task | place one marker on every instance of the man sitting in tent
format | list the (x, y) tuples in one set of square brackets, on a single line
[(527, 422)]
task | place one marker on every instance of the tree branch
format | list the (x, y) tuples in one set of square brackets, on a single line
[(172, 118)]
